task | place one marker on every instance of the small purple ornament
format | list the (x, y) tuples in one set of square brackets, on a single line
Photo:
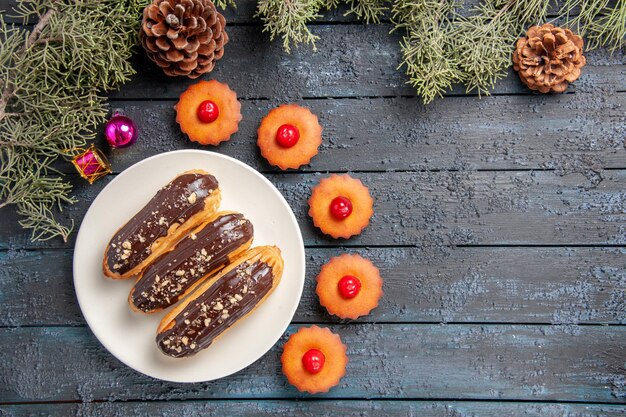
[(120, 131)]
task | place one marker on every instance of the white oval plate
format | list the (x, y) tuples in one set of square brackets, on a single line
[(130, 336)]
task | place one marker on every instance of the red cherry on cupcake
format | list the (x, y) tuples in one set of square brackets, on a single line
[(340, 207), (208, 111), (349, 286), (313, 361), (287, 135)]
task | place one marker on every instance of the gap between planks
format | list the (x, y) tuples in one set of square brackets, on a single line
[(364, 322), (314, 399)]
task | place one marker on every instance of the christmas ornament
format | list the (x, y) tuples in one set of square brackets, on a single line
[(548, 58), (55, 77), (91, 164), (183, 37), (120, 131)]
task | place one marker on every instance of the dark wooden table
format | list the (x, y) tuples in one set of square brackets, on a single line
[(500, 230)]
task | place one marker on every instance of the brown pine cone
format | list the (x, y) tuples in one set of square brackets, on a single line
[(548, 58), (184, 37)]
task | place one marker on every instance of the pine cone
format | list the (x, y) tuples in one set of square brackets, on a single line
[(548, 58), (184, 37)]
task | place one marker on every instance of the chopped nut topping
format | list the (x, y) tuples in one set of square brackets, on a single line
[(192, 346), (218, 306), (238, 297), (116, 266), (192, 198), (187, 321), (203, 252), (185, 340), (207, 322), (126, 244), (180, 273), (193, 236)]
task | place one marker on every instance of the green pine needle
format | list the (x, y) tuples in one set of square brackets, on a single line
[(288, 18), (51, 83), (426, 47), (442, 47), (223, 4), (368, 11), (599, 22)]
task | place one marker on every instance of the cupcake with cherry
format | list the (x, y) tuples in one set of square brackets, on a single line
[(314, 359), (289, 136), (208, 112), (341, 206), (349, 286)]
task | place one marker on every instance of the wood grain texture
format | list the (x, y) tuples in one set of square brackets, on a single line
[(407, 361), (437, 209), (245, 10), (351, 61), (562, 286), (567, 132), (512, 169), (318, 408)]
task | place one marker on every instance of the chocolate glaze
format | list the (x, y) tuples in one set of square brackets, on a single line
[(231, 297), (194, 257), (175, 203)]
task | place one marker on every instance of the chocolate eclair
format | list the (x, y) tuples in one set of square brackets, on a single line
[(196, 257), (221, 302), (182, 204)]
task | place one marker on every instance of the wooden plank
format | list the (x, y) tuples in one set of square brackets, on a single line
[(314, 408), (242, 14), (563, 286), (436, 209), (351, 61), (245, 10), (386, 361), (510, 133)]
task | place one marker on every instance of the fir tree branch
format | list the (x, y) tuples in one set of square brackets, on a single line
[(369, 11), (427, 46), (51, 82), (223, 4), (288, 18), (485, 40), (599, 22)]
